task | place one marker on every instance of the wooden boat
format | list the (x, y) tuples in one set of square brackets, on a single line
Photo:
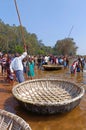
[(9, 121), (48, 96), (52, 67)]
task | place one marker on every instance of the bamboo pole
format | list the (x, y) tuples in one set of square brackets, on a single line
[(23, 39)]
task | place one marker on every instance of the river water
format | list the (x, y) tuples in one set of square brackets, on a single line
[(73, 120)]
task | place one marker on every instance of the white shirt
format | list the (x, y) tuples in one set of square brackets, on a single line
[(16, 64), (46, 59)]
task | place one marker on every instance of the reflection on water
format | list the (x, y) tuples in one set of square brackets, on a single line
[(84, 77), (74, 120)]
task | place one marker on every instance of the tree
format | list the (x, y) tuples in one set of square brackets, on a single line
[(19, 49), (11, 41), (65, 47)]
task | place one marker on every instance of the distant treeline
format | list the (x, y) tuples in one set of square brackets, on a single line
[(11, 41)]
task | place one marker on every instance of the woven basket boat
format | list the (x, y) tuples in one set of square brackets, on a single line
[(48, 96), (52, 67), (9, 121)]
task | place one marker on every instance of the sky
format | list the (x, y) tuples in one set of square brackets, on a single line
[(50, 20)]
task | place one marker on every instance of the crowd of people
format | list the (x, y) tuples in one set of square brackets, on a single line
[(16, 66), (51, 59), (11, 65)]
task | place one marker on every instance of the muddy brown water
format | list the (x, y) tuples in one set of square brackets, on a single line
[(73, 120)]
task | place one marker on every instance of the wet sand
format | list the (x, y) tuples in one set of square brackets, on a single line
[(73, 120)]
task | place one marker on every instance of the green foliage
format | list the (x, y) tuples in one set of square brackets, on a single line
[(65, 47), (19, 49), (11, 40)]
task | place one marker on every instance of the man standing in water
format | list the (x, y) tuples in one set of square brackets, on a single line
[(17, 66)]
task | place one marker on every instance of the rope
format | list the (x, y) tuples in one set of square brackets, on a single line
[(20, 24)]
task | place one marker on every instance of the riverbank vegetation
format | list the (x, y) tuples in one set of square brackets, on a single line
[(11, 42)]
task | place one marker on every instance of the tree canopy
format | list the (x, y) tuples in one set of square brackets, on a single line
[(11, 42), (65, 46)]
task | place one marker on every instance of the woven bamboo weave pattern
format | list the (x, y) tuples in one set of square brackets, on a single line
[(47, 92), (9, 121)]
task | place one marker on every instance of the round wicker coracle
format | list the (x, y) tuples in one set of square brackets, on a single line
[(48, 96), (9, 121)]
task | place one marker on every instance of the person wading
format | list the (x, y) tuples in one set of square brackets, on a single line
[(17, 67)]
